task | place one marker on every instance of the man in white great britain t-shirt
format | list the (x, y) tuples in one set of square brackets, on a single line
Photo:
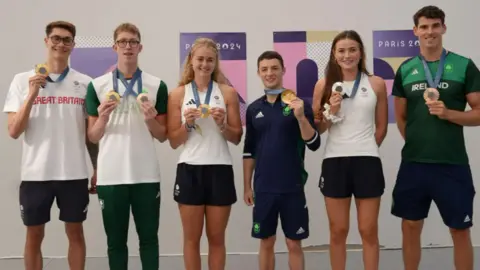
[(46, 104)]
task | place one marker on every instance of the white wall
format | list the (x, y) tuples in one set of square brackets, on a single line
[(23, 22)]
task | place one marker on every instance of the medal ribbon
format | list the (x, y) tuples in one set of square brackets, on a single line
[(274, 91), (137, 77), (61, 77), (356, 84), (196, 96), (438, 75)]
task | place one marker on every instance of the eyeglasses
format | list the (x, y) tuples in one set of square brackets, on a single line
[(123, 43), (67, 41)]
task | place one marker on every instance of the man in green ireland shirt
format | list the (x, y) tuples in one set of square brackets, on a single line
[(431, 92)]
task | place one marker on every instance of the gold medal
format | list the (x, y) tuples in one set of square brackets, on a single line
[(288, 96), (113, 96), (143, 97), (41, 69), (204, 110), (431, 94), (338, 87)]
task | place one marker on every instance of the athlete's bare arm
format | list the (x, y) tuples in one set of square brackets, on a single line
[(177, 132), (92, 148), (468, 118), (320, 121), (233, 129), (158, 127), (18, 121), (97, 124), (400, 106), (381, 110)]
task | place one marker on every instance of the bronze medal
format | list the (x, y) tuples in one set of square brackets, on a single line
[(431, 94)]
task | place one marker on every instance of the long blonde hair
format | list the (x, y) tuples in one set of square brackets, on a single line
[(188, 74)]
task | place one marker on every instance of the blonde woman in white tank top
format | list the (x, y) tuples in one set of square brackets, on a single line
[(204, 186), (357, 124)]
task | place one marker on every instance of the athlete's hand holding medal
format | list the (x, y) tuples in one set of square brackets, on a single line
[(335, 101), (296, 104), (435, 106), (39, 80), (149, 111), (218, 115), (108, 105), (431, 94)]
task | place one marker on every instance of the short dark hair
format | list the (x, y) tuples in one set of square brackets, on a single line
[(70, 27), (269, 55), (429, 12)]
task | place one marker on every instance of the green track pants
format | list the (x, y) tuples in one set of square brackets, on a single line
[(144, 200)]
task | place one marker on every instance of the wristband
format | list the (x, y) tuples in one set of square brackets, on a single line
[(188, 127)]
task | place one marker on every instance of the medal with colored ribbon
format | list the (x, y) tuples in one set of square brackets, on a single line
[(118, 76), (431, 93), (340, 87), (203, 107), (43, 69)]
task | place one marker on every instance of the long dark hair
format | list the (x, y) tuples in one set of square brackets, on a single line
[(333, 72)]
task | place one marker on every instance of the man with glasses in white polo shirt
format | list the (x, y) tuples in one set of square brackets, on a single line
[(47, 105)]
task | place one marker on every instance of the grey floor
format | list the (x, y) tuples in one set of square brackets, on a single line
[(432, 259)]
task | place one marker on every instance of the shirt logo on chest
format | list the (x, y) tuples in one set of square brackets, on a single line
[(287, 111), (259, 115)]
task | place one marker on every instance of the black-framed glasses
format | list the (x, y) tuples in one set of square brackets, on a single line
[(123, 43), (67, 41)]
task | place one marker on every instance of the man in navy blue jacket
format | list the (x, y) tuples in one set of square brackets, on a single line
[(277, 132)]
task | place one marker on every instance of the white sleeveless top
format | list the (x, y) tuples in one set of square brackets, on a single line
[(355, 135), (210, 147)]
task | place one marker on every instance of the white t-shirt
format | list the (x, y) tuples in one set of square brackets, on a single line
[(54, 143), (209, 147), (127, 153)]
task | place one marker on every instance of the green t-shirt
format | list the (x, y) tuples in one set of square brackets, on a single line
[(428, 138)]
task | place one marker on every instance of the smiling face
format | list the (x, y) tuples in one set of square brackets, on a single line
[(347, 53), (59, 43), (128, 46), (204, 60), (429, 32), (271, 72)]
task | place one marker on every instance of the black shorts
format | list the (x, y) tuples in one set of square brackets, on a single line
[(360, 176), (449, 186), (292, 210), (205, 185), (36, 200)]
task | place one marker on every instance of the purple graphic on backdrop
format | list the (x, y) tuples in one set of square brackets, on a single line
[(390, 49), (395, 43), (233, 59), (93, 62), (232, 46)]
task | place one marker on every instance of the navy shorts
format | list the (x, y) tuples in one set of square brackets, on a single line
[(449, 186), (37, 197), (290, 207)]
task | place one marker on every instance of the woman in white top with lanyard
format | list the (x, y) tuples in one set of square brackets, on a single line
[(203, 116), (352, 105)]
